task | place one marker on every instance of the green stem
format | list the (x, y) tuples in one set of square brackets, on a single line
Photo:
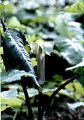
[(14, 117)]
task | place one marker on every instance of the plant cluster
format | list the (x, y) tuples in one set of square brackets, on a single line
[(42, 59)]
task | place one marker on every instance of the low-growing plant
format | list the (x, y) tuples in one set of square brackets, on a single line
[(19, 67)]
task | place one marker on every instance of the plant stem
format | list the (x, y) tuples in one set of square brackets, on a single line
[(27, 99), (4, 27), (15, 115), (48, 103), (40, 112), (62, 86)]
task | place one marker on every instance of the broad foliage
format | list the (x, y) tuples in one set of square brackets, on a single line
[(40, 28)]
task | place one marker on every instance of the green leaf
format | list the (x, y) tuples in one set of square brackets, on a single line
[(24, 15), (70, 50), (9, 7), (77, 7), (14, 75), (62, 92), (34, 92), (15, 53), (63, 25), (9, 98), (31, 92), (4, 107), (67, 93), (46, 91), (68, 28), (79, 68), (81, 64), (76, 88), (34, 62), (30, 39), (73, 106), (27, 48), (12, 102), (1, 50), (81, 76), (1, 10), (14, 22), (9, 93)]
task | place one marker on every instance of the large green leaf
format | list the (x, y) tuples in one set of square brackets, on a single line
[(76, 88), (62, 24), (73, 106), (9, 93), (32, 4), (9, 99), (15, 53), (14, 75), (34, 92), (4, 107), (72, 51), (77, 7), (24, 15), (81, 78), (81, 64), (80, 68), (68, 28), (12, 102), (14, 22)]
